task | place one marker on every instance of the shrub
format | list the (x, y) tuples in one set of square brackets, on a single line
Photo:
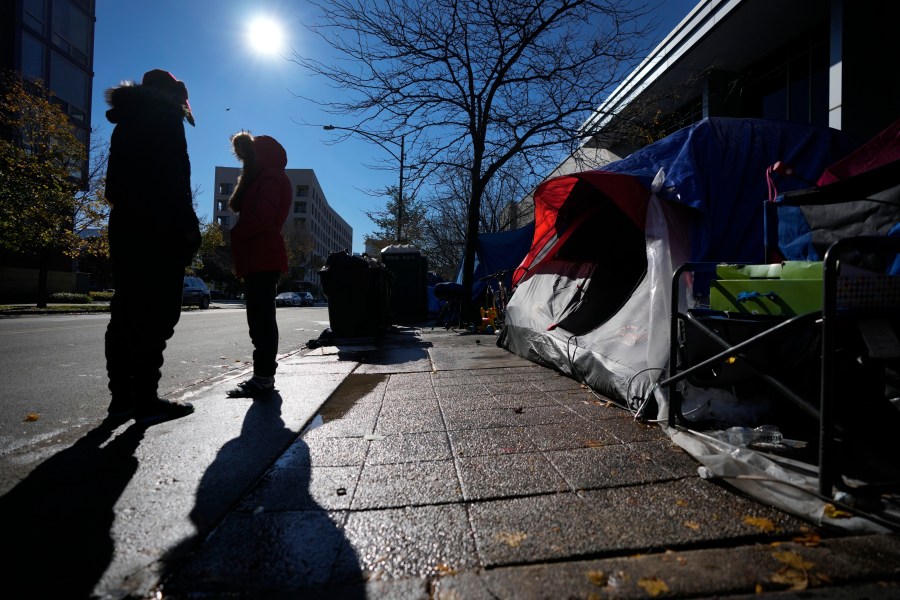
[(70, 298), (102, 296)]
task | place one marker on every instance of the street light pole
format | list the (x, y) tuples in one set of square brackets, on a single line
[(400, 199), (402, 158)]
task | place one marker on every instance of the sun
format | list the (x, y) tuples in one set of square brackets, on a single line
[(265, 35)]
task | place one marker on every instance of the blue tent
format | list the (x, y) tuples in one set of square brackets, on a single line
[(499, 252)]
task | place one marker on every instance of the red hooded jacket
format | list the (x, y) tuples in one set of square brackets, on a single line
[(263, 200)]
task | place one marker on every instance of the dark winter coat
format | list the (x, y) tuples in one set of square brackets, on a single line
[(262, 200), (148, 179)]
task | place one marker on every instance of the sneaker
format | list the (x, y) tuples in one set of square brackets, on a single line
[(160, 409), (252, 388)]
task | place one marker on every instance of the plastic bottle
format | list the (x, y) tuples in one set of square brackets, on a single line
[(744, 436)]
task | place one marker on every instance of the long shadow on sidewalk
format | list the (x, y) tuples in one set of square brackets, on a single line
[(281, 540), (56, 523)]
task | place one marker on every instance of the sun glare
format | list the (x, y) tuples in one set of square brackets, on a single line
[(265, 36)]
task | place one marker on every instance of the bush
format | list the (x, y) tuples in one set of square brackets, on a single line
[(102, 296), (70, 298)]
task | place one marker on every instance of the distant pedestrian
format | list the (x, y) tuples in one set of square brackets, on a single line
[(262, 200), (153, 234)]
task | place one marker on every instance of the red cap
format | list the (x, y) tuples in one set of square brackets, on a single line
[(166, 82)]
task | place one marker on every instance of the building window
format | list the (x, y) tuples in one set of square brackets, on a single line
[(221, 205), (35, 15), (299, 221), (226, 188), (302, 191), (299, 207), (70, 84), (33, 55), (71, 31), (224, 220)]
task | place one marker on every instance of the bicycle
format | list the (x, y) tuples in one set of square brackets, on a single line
[(493, 313)]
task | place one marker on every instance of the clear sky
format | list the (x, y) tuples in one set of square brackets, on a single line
[(234, 85)]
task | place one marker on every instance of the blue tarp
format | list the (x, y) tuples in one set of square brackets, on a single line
[(497, 252), (718, 167)]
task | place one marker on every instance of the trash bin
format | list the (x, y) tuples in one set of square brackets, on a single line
[(358, 291), (409, 296)]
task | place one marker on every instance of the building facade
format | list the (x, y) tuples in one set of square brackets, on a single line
[(51, 41), (816, 62), (311, 216)]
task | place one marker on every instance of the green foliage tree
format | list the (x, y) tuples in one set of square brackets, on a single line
[(43, 197), (298, 243), (409, 218)]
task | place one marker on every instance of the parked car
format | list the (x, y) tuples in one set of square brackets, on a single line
[(195, 292), (307, 299), (288, 299)]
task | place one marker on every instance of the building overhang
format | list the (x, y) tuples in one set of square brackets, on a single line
[(720, 35)]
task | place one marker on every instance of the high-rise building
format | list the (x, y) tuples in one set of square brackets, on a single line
[(52, 41), (328, 231)]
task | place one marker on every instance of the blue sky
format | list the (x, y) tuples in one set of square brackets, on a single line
[(233, 87)]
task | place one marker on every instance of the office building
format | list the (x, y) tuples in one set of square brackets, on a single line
[(328, 231)]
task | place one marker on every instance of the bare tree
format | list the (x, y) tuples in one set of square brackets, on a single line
[(472, 84), (445, 231)]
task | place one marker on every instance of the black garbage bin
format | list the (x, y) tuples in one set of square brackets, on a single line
[(358, 292), (409, 295)]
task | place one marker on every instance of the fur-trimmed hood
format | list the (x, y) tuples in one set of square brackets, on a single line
[(132, 101), (258, 154)]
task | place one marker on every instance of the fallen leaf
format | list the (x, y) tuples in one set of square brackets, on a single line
[(681, 502), (444, 569), (511, 539), (794, 578), (833, 512), (597, 578), (32, 417), (653, 586), (793, 559), (592, 443), (692, 525), (761, 523), (810, 540)]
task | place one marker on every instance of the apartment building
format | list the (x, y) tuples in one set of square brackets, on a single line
[(328, 230)]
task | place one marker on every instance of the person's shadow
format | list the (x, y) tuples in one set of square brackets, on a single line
[(55, 524), (274, 538)]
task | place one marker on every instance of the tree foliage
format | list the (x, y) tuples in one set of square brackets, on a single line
[(45, 204), (408, 217), (474, 84), (298, 242), (39, 155)]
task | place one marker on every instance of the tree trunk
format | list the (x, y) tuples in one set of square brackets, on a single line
[(468, 310), (43, 270)]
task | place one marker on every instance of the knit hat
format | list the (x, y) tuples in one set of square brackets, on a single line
[(166, 82)]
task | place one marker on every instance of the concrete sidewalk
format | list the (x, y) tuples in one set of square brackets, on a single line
[(442, 466)]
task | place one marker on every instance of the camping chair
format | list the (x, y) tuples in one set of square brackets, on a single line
[(712, 348), (709, 350)]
